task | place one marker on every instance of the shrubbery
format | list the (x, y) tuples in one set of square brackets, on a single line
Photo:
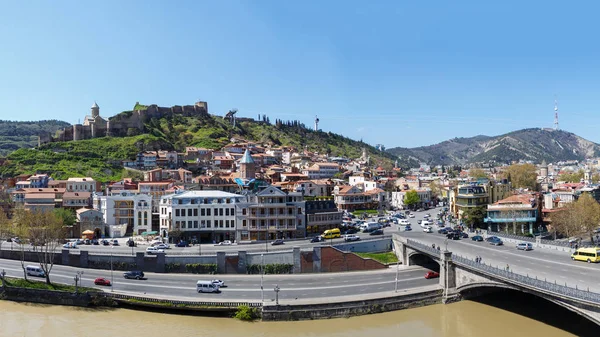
[(275, 268), (116, 265), (198, 268), (245, 313)]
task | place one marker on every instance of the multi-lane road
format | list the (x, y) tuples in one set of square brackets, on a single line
[(548, 264), (294, 287)]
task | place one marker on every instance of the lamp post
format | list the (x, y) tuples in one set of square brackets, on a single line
[(446, 243), (262, 276), (277, 289), (111, 269), (397, 269), (77, 278), (2, 275)]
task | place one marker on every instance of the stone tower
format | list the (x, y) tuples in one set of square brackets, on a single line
[(544, 169), (247, 166), (95, 110), (587, 175)]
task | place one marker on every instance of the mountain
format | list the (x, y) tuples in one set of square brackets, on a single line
[(16, 135), (527, 144), (101, 157)]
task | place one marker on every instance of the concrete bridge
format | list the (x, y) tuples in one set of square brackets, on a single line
[(463, 278)]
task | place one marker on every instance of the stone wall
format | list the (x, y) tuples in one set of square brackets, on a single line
[(367, 246), (334, 260), (46, 296)]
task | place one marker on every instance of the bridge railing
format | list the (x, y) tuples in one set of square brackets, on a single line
[(529, 281), (218, 304), (424, 247)]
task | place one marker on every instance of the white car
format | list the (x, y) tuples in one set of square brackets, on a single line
[(426, 216), (153, 250), (411, 215), (426, 223), (427, 229), (225, 243), (71, 244), (218, 283), (351, 237), (162, 246), (404, 222)]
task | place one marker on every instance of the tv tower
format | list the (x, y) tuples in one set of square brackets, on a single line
[(555, 114), (316, 123)]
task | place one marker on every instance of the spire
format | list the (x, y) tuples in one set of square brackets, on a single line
[(247, 158)]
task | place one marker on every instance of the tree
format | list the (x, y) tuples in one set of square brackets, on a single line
[(579, 218), (436, 189), (522, 176), (473, 216), (411, 198), (573, 177), (477, 173), (66, 215), (5, 229)]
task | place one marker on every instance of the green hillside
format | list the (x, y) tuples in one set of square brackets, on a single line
[(16, 135), (100, 158)]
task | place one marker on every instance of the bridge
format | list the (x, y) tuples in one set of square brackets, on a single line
[(462, 278)]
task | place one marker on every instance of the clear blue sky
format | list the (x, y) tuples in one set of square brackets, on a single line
[(400, 73)]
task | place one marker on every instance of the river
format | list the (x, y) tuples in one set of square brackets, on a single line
[(466, 318)]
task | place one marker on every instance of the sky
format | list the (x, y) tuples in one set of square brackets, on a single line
[(397, 73)]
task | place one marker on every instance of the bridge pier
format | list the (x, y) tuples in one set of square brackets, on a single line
[(448, 277)]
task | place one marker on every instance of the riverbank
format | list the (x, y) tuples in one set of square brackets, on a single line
[(324, 308)]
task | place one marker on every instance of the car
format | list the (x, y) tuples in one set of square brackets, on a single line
[(453, 236), (496, 242), (101, 281), (134, 274), (432, 274), (351, 237), (95, 242), (70, 245), (491, 238), (351, 231), (162, 246), (79, 241), (419, 221), (377, 232), (428, 229), (317, 239), (408, 228), (131, 243), (277, 242), (477, 238), (426, 216), (182, 244), (105, 243), (395, 221), (219, 283), (440, 223), (411, 215), (225, 243), (115, 242), (525, 246), (87, 242), (444, 231), (404, 222), (463, 235), (153, 250)]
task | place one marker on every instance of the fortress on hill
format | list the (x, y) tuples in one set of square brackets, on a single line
[(127, 123)]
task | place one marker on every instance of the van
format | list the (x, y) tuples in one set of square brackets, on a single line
[(587, 254), (34, 271), (525, 246), (207, 287), (371, 226), (331, 233)]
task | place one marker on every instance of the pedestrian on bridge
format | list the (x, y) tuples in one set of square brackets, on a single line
[(507, 268)]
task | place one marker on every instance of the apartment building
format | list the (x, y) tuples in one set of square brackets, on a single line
[(321, 170), (322, 215), (86, 184), (124, 213)]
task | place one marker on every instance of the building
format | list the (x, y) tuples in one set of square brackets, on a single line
[(124, 213), (397, 199), (464, 197), (204, 216), (90, 219), (321, 170), (247, 166), (351, 198), (313, 188), (76, 200), (321, 215), (43, 202), (218, 183), (26, 195), (515, 214), (272, 214), (82, 185), (155, 189)]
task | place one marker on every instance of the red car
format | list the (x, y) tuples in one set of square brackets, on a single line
[(431, 274), (102, 281)]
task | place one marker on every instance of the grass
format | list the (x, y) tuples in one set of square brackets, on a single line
[(21, 283), (387, 257)]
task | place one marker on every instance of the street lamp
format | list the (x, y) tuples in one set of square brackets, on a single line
[(2, 275), (262, 276), (111, 269), (277, 289), (446, 243), (397, 269), (77, 278)]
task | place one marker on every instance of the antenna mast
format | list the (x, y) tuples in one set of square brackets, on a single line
[(555, 114)]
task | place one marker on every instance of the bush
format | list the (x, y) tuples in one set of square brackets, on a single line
[(275, 268), (245, 313), (116, 265), (198, 268), (172, 267)]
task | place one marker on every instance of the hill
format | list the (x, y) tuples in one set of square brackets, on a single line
[(100, 157), (15, 135), (527, 144)]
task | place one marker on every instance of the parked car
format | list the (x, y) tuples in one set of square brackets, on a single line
[(351, 237), (69, 245), (134, 274), (182, 244), (162, 246), (100, 281), (131, 243), (453, 236), (105, 243), (154, 250), (426, 216), (277, 242), (219, 283), (404, 222), (87, 242), (95, 242), (525, 246), (491, 238), (428, 229), (444, 230), (411, 215), (477, 238), (496, 242), (115, 242), (351, 231), (377, 232), (463, 235), (408, 228), (432, 274), (79, 241), (225, 243), (317, 239)]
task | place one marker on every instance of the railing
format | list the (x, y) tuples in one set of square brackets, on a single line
[(421, 246), (190, 303), (511, 236), (529, 281)]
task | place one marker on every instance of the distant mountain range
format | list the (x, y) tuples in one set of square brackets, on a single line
[(527, 144), (15, 135)]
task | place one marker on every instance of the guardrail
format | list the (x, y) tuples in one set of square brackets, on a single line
[(529, 281), (511, 236), (177, 302), (418, 245)]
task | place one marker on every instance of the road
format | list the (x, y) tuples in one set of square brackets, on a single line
[(244, 287), (547, 264)]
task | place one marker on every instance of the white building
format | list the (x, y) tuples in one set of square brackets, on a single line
[(362, 183), (125, 213), (207, 216), (321, 170), (81, 185), (398, 198)]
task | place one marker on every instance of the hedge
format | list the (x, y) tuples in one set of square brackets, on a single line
[(275, 268)]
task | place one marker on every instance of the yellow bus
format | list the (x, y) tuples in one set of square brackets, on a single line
[(587, 254), (331, 233)]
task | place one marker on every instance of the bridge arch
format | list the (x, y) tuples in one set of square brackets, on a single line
[(479, 290), (423, 260)]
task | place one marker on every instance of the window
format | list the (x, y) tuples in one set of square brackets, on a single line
[(220, 223), (208, 211), (202, 224), (232, 223), (195, 223), (244, 211), (227, 211), (202, 212), (207, 223), (220, 212), (244, 223), (226, 223), (183, 224), (177, 212), (195, 212), (231, 211), (189, 212), (190, 224)]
